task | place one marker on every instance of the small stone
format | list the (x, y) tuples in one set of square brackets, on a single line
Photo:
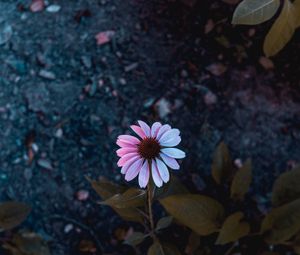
[(82, 195), (68, 228), (5, 33), (53, 8), (59, 133), (210, 98), (47, 75), (266, 63), (217, 69), (210, 24), (44, 163), (87, 61), (163, 107), (131, 67), (28, 174)]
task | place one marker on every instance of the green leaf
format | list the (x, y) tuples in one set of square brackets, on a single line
[(233, 229), (130, 198), (286, 188), (164, 222), (253, 12), (173, 187), (163, 249), (105, 188), (241, 181), (200, 213), (135, 238), (12, 214), (282, 223), (221, 168), (282, 30)]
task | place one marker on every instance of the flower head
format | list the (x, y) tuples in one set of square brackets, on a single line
[(152, 152)]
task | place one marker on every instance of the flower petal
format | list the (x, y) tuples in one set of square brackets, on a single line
[(121, 143), (163, 170), (144, 175), (174, 153), (162, 130), (170, 162), (138, 130), (122, 151), (172, 142), (155, 128), (145, 128), (126, 166), (134, 170), (155, 175), (126, 157), (174, 132), (129, 139)]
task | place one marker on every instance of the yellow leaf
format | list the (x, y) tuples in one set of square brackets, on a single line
[(200, 213), (253, 12), (241, 181), (12, 214), (296, 3), (286, 188), (282, 223), (222, 164), (282, 30), (233, 229)]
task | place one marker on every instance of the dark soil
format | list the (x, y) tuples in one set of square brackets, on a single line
[(64, 100)]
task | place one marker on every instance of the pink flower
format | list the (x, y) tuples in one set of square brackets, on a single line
[(152, 152)]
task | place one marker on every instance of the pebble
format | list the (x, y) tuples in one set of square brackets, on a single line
[(5, 33), (44, 163), (53, 8), (131, 67), (59, 133), (47, 75), (82, 195), (163, 107), (68, 228)]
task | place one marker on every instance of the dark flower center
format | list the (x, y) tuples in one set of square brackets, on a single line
[(149, 148)]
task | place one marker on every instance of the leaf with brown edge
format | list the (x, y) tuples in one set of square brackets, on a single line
[(286, 188), (27, 243), (241, 181), (222, 168), (233, 229), (200, 213), (163, 249), (12, 214), (253, 12), (282, 223), (282, 30), (130, 198), (135, 238)]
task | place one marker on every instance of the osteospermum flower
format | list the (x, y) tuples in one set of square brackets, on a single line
[(151, 153)]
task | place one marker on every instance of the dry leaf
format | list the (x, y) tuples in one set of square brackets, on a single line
[(12, 214), (200, 213)]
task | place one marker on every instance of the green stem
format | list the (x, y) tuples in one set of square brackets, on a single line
[(149, 198)]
